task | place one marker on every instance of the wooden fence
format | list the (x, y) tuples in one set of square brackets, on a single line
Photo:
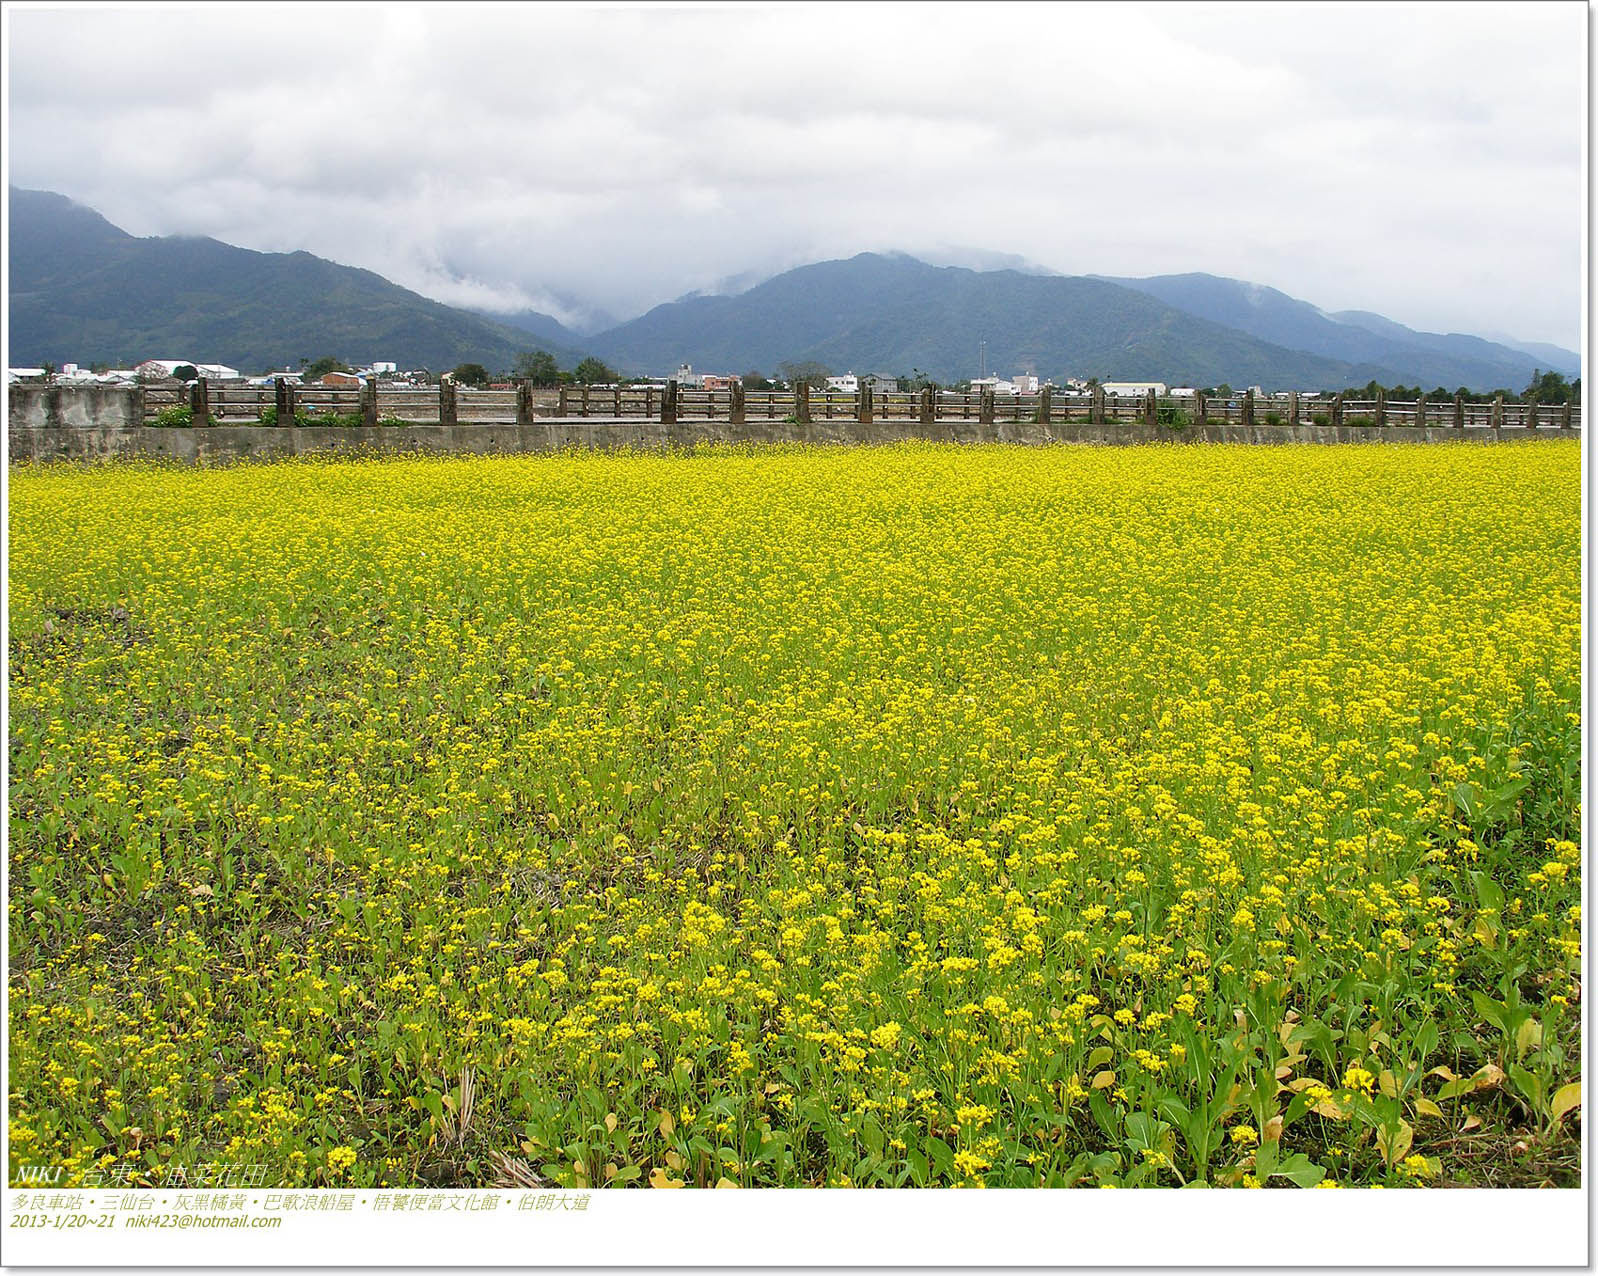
[(448, 404)]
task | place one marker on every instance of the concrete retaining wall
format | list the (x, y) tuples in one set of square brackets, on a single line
[(67, 440), (83, 407)]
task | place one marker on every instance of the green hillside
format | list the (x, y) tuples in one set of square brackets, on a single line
[(1428, 358), (893, 314), (83, 290)]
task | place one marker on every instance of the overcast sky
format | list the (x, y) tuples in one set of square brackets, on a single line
[(1423, 162)]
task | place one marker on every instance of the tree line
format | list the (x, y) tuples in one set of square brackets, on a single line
[(1544, 388)]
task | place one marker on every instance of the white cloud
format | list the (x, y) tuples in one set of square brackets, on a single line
[(1421, 161)]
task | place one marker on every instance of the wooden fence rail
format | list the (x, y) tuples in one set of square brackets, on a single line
[(449, 404)]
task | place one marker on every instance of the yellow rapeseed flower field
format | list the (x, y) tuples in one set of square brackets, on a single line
[(904, 816)]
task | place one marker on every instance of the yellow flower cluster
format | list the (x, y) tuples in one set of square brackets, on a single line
[(910, 815)]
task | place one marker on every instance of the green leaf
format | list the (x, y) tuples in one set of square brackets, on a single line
[(1171, 1107), (1529, 1037), (1299, 1169), (1496, 1013), (1529, 1085), (1394, 1141), (1104, 1115), (1299, 1105), (1425, 1042)]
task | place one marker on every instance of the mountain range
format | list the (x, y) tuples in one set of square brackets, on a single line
[(1355, 335), (84, 290)]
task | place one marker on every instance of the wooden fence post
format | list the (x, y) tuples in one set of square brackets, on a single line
[(138, 410), (1201, 408), (1498, 412), (668, 404), (369, 402), (1151, 412), (1096, 406), (929, 405), (865, 404), (585, 400), (1420, 412), (1531, 416), (446, 403), (1337, 409), (735, 413), (524, 403), (1459, 412), (560, 404), (1248, 407), (1045, 406), (985, 407), (1292, 407), (200, 403), (285, 401), (1381, 407), (801, 400), (1564, 416)]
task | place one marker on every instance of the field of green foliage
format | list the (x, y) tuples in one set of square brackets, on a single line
[(890, 816)]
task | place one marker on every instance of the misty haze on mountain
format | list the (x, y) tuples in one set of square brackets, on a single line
[(591, 164)]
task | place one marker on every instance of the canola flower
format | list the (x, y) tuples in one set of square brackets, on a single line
[(890, 816)]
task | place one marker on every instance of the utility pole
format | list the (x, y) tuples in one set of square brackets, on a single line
[(982, 358)]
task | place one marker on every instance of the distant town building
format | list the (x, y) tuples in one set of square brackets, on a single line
[(846, 384), (879, 384), (162, 367), (712, 381), (341, 379), (290, 375), (997, 384), (1020, 383), (1133, 389), (166, 367)]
